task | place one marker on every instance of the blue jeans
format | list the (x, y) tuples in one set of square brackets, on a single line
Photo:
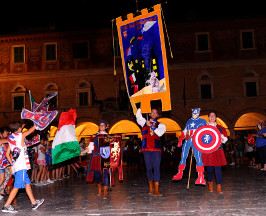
[(152, 161)]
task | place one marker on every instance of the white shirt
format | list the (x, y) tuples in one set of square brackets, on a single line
[(41, 156), (20, 163)]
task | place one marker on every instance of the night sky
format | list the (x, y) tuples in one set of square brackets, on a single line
[(28, 15)]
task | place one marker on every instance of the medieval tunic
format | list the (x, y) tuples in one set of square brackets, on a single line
[(217, 157), (94, 169), (151, 146)]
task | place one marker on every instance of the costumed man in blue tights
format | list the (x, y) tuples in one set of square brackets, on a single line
[(152, 130), (192, 124)]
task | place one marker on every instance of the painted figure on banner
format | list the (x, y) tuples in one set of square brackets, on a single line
[(144, 59), (192, 124)]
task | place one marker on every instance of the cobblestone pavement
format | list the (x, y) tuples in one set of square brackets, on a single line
[(244, 193)]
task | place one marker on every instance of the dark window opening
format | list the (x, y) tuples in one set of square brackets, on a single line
[(19, 54), (83, 98), (52, 102), (50, 52), (206, 91), (80, 50), (251, 89), (247, 40), (18, 102), (203, 43)]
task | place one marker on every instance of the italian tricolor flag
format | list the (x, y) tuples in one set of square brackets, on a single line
[(65, 144)]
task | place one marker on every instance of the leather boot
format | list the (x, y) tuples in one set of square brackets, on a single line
[(200, 180), (179, 175), (156, 189), (105, 189), (219, 189), (99, 186), (150, 187), (210, 186)]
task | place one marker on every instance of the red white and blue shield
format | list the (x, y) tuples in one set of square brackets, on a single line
[(207, 139)]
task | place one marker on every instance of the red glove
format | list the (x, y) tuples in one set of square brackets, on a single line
[(181, 139)]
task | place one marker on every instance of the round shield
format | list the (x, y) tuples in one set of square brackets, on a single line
[(250, 139), (207, 139)]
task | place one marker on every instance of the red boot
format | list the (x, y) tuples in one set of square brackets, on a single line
[(179, 175), (200, 180)]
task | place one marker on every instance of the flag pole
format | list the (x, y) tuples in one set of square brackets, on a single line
[(189, 169)]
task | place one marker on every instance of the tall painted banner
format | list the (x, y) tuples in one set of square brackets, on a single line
[(144, 59)]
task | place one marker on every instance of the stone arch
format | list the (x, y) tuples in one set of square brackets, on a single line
[(51, 86), (125, 127), (219, 121), (19, 88), (83, 84), (220, 115), (248, 121), (248, 110), (86, 129)]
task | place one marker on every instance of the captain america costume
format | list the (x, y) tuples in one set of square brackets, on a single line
[(191, 126)]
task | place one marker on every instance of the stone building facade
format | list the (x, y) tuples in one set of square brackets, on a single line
[(217, 65)]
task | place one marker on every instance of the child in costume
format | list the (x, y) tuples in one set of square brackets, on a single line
[(192, 124), (216, 159), (152, 130), (20, 164), (94, 169)]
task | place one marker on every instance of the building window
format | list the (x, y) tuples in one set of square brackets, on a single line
[(83, 98), (80, 50), (52, 102), (19, 54), (202, 42), (18, 102), (205, 86), (18, 98), (251, 89), (247, 39), (206, 92), (50, 52), (84, 94), (49, 89), (250, 82)]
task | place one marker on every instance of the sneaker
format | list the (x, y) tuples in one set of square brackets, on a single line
[(9, 209), (39, 183), (37, 204), (50, 181), (232, 164), (45, 183)]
